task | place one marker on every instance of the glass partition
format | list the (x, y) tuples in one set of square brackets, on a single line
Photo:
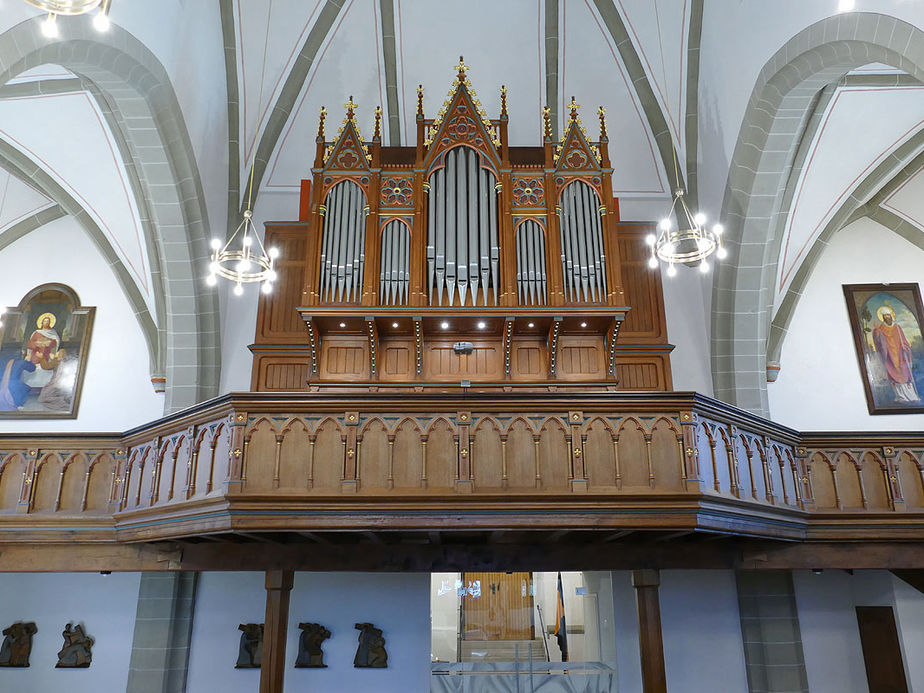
[(522, 632)]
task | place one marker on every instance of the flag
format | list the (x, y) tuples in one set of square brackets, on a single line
[(561, 630)]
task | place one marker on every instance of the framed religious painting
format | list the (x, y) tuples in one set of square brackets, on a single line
[(44, 342), (888, 322)]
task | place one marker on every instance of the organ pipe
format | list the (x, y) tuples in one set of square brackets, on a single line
[(343, 243), (582, 257), (462, 247), (394, 274), (531, 272)]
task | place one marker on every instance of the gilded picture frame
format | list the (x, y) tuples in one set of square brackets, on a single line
[(887, 321), (44, 345)]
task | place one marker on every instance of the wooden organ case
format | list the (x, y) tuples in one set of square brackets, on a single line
[(462, 262)]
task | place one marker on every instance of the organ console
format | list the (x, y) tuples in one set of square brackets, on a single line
[(403, 252)]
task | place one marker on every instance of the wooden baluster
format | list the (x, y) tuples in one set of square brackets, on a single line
[(538, 468), (278, 456), (618, 478)]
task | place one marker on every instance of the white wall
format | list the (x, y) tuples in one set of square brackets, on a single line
[(105, 604), (117, 391), (701, 631), (399, 604), (224, 600), (819, 385)]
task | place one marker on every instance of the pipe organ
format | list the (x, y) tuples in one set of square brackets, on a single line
[(461, 262)]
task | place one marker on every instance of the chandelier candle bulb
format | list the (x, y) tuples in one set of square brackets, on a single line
[(101, 22), (238, 289), (267, 288), (671, 270), (704, 267), (50, 26)]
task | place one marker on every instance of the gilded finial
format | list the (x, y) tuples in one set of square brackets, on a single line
[(321, 123), (420, 99), (602, 113), (351, 108), (461, 68), (377, 129), (547, 122), (574, 105), (503, 101)]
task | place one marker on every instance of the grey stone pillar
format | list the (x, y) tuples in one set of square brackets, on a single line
[(163, 626), (770, 632)]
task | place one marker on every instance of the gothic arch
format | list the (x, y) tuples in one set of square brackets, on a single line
[(764, 155)]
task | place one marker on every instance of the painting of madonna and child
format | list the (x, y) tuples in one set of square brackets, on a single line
[(887, 321), (43, 352)]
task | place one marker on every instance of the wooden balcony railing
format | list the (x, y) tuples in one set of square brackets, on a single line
[(454, 461)]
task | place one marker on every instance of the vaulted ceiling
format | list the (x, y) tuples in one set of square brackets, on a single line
[(788, 120)]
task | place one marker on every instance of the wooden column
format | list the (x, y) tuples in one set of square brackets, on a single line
[(276, 623), (646, 584)]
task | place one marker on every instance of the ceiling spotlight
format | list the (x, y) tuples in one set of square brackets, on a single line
[(394, 325), (583, 324), (531, 325), (343, 324), (444, 325), (482, 324)]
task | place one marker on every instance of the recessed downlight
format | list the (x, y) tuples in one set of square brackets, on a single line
[(444, 325), (394, 325), (482, 324), (531, 325), (583, 324), (343, 324)]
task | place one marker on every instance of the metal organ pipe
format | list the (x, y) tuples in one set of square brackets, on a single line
[(394, 275), (343, 243), (583, 259), (531, 274), (463, 229)]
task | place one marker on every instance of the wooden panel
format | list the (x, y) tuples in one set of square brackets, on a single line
[(822, 483), (277, 320), (260, 461), (46, 484), (910, 478), (529, 361), (373, 460), (407, 456), (99, 484), (874, 483), (651, 373), (11, 482), (398, 363), (521, 456), (848, 483), (345, 359), (501, 609), (554, 458), (599, 460), (294, 455), (882, 651), (442, 462), (645, 323), (75, 476), (580, 358), (486, 457), (484, 363), (277, 372)]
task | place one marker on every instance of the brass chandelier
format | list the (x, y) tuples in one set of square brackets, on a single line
[(71, 8)]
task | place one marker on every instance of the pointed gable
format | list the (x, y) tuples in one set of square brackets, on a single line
[(461, 120), (348, 153), (575, 154)]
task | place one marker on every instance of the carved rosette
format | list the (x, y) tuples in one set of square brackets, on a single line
[(528, 191), (397, 191), (462, 128)]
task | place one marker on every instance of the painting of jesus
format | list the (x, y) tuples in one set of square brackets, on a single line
[(887, 324)]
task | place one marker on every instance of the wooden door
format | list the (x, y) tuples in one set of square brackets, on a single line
[(882, 652), (497, 606)]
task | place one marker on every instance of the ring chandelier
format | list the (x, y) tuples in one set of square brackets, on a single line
[(690, 242), (249, 262), (71, 8)]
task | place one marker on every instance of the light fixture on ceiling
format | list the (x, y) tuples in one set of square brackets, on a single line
[(682, 237), (71, 8), (845, 5), (242, 259)]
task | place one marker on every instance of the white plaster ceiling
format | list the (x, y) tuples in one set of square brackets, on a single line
[(347, 64), (593, 73), (907, 200), (659, 30), (18, 201), (265, 60), (858, 130), (61, 133)]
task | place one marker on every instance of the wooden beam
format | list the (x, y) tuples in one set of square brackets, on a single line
[(276, 623), (651, 647)]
